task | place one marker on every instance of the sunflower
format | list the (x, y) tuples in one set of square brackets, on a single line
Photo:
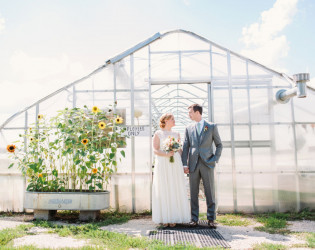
[(40, 175), (85, 141), (94, 170), (32, 139), (95, 109), (40, 117), (11, 148), (102, 125), (119, 120)]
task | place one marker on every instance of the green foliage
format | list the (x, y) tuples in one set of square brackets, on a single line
[(76, 149), (311, 240), (6, 235), (269, 246), (233, 220)]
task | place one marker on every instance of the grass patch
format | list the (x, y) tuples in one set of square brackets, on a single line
[(8, 234), (272, 223), (269, 246), (12, 214), (308, 237), (109, 240), (105, 239), (311, 240), (233, 220), (230, 219)]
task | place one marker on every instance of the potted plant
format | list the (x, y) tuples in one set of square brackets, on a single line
[(68, 160)]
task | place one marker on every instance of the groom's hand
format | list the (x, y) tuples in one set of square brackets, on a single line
[(186, 170)]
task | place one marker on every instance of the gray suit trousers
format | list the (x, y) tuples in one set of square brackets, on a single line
[(207, 175)]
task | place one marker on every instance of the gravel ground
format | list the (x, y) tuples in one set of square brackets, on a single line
[(302, 226), (14, 221), (237, 237), (49, 241), (246, 237)]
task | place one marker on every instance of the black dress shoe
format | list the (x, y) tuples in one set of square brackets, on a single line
[(211, 224), (193, 224)]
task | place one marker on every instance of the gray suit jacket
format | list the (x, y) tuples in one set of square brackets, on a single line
[(201, 146)]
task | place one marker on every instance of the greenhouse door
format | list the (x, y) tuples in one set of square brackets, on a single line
[(175, 98)]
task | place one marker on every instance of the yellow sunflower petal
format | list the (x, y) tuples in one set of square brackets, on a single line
[(95, 109), (85, 141), (102, 125), (11, 148)]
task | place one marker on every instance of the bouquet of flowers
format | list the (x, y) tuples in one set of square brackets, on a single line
[(172, 145)]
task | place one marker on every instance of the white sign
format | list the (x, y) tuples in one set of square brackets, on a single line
[(137, 131)]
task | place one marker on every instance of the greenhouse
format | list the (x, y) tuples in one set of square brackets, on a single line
[(268, 134)]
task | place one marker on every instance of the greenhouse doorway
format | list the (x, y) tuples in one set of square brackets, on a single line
[(175, 98)]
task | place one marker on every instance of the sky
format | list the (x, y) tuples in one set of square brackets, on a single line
[(47, 44)]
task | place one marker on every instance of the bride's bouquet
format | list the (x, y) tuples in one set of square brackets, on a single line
[(171, 144)]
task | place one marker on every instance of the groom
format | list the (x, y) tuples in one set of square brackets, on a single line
[(198, 151)]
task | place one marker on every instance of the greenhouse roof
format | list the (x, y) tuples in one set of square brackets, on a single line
[(139, 46)]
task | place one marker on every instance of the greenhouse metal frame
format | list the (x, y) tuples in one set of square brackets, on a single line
[(268, 160)]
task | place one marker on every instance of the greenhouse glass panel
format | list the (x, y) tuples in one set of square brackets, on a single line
[(195, 65), (221, 106), (265, 192), (244, 193), (307, 185), (243, 159), (225, 192), (240, 106)]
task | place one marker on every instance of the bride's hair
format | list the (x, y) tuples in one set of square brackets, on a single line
[(163, 118)]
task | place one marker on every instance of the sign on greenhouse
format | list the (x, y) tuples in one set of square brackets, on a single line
[(137, 131)]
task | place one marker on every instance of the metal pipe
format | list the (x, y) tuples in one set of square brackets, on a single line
[(283, 95)]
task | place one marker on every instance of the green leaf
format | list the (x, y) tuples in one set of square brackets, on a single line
[(11, 165), (89, 181), (111, 155), (55, 172), (123, 153), (99, 185)]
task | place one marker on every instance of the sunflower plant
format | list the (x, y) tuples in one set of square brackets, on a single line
[(77, 149)]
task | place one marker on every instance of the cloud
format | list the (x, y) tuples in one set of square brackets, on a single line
[(33, 78), (2, 24), (186, 2), (29, 68), (263, 40)]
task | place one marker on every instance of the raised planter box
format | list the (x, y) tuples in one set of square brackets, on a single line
[(46, 204)]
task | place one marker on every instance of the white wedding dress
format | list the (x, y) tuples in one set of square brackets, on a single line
[(169, 194)]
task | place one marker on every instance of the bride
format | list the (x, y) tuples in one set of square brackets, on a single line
[(169, 194)]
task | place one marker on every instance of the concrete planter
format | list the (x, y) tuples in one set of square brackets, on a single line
[(45, 205)]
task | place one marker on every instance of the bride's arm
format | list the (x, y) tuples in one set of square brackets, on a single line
[(156, 147)]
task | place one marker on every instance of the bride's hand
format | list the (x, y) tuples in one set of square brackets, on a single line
[(169, 154)]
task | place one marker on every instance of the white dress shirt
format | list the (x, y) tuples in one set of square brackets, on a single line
[(202, 122)]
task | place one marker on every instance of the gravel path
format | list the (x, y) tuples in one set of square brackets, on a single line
[(49, 241), (237, 237), (139, 227), (14, 221), (302, 226), (246, 237)]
